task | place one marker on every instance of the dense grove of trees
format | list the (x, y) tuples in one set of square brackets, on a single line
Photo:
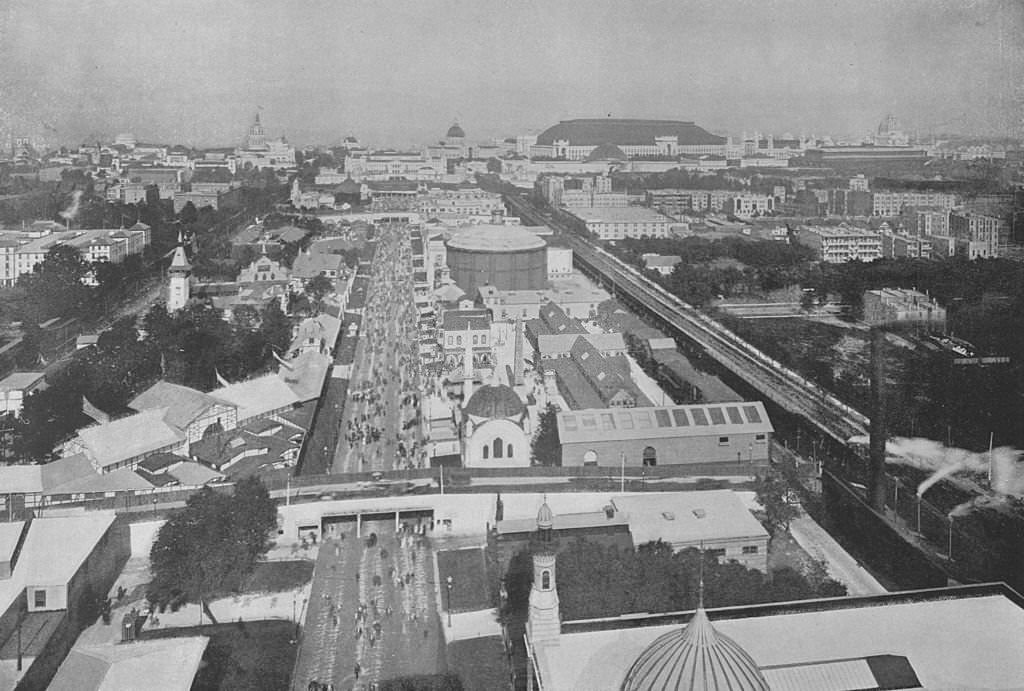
[(594, 580), (210, 547), (189, 348)]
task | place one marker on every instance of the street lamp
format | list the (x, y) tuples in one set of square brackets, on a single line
[(448, 585)]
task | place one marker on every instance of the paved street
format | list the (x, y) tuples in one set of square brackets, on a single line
[(372, 604), (378, 429)]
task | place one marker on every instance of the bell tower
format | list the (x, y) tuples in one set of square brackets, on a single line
[(180, 273)]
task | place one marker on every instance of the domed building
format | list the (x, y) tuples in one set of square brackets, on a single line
[(496, 429), (694, 657), (456, 136)]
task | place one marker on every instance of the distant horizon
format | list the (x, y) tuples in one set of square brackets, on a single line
[(194, 72)]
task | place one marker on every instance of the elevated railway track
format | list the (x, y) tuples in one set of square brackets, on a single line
[(776, 382)]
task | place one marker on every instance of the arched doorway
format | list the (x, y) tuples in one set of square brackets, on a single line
[(650, 456)]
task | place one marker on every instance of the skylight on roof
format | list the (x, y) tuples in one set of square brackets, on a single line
[(751, 412), (717, 417), (699, 418), (570, 422), (662, 418), (734, 415), (680, 417), (588, 420)]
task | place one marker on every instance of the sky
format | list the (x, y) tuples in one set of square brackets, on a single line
[(397, 72)]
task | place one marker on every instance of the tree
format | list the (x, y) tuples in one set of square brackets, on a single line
[(547, 448), (210, 547), (276, 327), (771, 490), (56, 286), (318, 287)]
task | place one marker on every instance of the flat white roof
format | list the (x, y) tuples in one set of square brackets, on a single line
[(688, 518), (53, 551), (9, 535), (17, 381), (954, 643), (618, 214), (21, 479)]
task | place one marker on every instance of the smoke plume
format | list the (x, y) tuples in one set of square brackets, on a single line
[(69, 213)]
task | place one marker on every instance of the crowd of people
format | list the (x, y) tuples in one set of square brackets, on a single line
[(380, 427)]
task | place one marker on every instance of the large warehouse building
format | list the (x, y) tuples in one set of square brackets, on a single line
[(575, 140), (729, 433), (505, 257)]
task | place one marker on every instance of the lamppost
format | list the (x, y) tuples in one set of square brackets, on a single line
[(448, 585)]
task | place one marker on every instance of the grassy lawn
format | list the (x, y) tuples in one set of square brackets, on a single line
[(254, 656), (279, 576), (479, 663), (469, 578)]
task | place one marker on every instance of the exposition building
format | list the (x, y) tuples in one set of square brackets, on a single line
[(575, 140)]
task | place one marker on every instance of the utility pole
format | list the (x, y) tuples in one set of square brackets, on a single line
[(622, 483)]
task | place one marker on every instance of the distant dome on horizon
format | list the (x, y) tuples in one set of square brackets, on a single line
[(455, 132)]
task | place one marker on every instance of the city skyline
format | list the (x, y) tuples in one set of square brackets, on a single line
[(195, 73)]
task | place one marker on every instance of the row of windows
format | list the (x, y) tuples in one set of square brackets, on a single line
[(496, 448), (477, 340)]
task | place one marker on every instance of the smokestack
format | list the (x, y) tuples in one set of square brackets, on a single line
[(517, 364), (876, 469)]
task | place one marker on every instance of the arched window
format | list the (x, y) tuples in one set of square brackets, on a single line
[(498, 447), (650, 456), (590, 457), (508, 450), (487, 450), (458, 340), (483, 339), (474, 340), (545, 580)]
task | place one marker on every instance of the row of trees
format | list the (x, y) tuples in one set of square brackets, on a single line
[(596, 580), (211, 547)]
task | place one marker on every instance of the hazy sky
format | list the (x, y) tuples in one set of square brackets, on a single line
[(396, 72)]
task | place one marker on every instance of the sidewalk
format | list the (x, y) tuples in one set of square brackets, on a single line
[(839, 564)]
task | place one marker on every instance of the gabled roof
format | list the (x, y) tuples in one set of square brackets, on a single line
[(166, 664), (130, 436), (460, 320), (183, 404), (257, 397)]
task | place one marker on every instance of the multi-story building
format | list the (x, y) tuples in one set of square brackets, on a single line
[(885, 203), (616, 223), (840, 244), (859, 183), (933, 223), (979, 235), (911, 246), (747, 205), (461, 205), (890, 305), (20, 252), (575, 140)]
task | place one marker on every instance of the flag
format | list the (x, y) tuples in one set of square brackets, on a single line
[(94, 412), (278, 358), (220, 380)]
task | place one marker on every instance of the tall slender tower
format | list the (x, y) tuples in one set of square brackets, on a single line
[(180, 273), (544, 620), (517, 363)]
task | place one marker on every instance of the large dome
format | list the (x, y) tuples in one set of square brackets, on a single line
[(495, 401), (455, 132), (695, 657)]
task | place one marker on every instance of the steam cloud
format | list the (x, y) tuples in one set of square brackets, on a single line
[(69, 213), (942, 461)]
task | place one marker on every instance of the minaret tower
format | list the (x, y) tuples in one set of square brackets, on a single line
[(544, 621), (467, 367), (180, 273)]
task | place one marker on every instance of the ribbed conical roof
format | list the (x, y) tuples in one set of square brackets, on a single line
[(696, 657), (545, 517), (179, 262)]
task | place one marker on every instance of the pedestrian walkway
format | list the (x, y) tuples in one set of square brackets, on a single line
[(838, 562), (372, 613)]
